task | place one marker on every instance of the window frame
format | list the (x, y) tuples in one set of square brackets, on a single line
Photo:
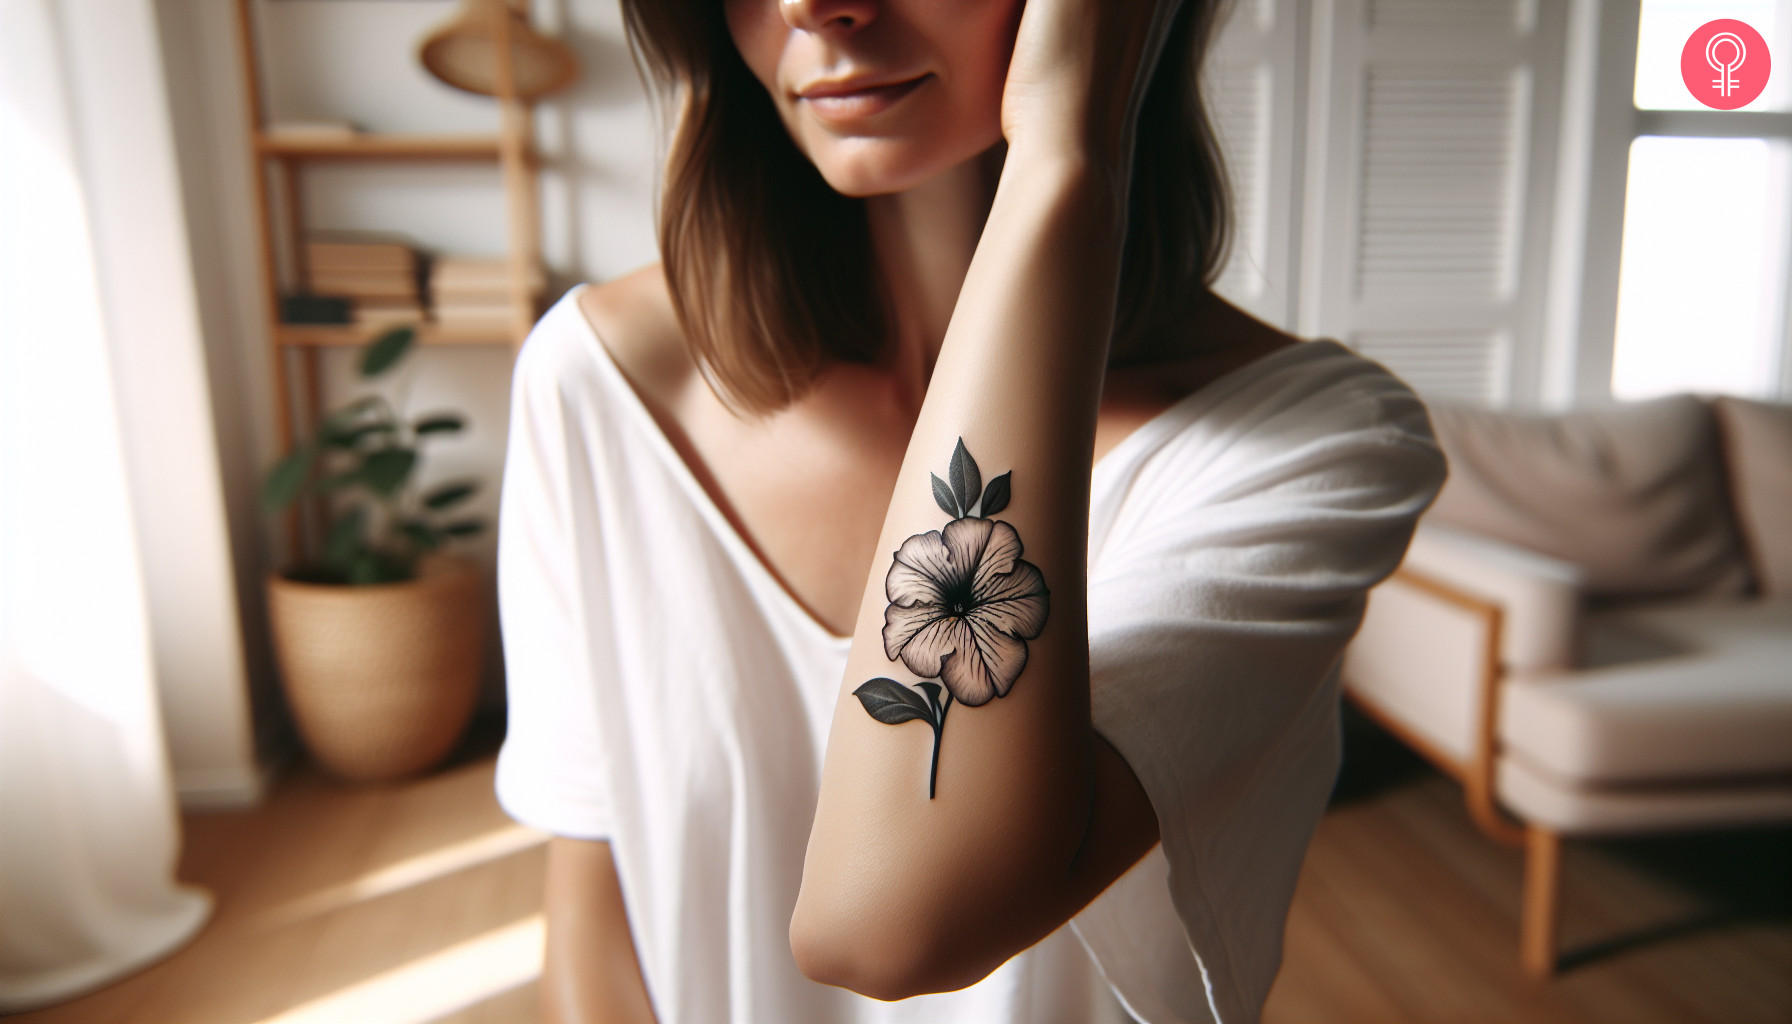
[(1612, 122)]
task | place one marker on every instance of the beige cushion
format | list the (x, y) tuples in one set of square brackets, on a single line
[(1758, 452), (1539, 597), (1420, 656), (1633, 494), (1677, 694)]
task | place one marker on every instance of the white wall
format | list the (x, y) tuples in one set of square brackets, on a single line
[(355, 59)]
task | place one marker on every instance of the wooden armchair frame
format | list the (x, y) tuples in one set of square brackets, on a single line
[(1540, 910)]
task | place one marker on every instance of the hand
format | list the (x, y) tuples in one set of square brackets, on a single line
[(1078, 77)]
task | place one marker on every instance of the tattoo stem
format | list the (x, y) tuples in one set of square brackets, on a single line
[(939, 726)]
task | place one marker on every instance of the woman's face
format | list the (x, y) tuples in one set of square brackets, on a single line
[(881, 94)]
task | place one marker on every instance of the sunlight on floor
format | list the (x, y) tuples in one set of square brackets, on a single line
[(411, 871), (436, 985)]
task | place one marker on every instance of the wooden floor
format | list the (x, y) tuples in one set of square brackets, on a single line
[(420, 902), (1405, 913)]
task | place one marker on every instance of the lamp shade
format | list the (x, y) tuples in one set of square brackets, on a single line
[(463, 52)]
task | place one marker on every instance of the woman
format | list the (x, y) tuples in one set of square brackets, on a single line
[(922, 551)]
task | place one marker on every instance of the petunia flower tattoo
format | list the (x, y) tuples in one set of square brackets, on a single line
[(963, 605)]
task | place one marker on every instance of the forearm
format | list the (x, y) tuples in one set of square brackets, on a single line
[(1018, 379)]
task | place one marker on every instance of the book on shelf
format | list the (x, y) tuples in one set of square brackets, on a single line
[(484, 312), (364, 270), (332, 254), (315, 309), (468, 274), (311, 128), (462, 299), (390, 287), (493, 329)]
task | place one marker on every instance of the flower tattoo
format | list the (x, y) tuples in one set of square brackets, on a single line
[(963, 605)]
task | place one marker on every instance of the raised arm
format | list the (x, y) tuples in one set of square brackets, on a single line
[(967, 807)]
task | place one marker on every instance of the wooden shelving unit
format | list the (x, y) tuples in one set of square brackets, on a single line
[(281, 158), (379, 147), (349, 335)]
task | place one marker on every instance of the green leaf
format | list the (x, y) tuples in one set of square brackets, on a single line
[(392, 572), (464, 527), (386, 350), (348, 437), (943, 495), (440, 423), (966, 481), (349, 413), (370, 567), (385, 471), (449, 494), (287, 479), (995, 496), (892, 703), (324, 573), (338, 481), (422, 534), (341, 546), (365, 568)]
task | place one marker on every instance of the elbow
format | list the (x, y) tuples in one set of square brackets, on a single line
[(874, 956)]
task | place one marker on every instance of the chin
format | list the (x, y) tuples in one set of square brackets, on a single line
[(865, 167), (861, 178)]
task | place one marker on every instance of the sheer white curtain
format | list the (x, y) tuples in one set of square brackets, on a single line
[(88, 829)]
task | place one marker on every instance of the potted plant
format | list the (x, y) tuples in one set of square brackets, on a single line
[(380, 637)]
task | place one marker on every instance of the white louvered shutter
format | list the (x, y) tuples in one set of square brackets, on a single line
[(1254, 98), (1434, 168)]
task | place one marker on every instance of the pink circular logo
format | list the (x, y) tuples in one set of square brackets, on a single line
[(1725, 64)]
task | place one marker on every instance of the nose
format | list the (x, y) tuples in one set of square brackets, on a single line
[(828, 15)]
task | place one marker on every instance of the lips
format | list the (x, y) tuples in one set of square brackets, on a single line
[(852, 99)]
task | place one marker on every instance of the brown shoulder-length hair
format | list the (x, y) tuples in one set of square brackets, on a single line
[(770, 269)]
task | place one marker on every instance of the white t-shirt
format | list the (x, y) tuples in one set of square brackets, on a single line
[(667, 693)]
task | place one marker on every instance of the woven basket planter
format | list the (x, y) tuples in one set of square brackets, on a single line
[(382, 679)]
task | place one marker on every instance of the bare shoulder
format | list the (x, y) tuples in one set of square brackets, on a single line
[(1216, 338), (632, 316)]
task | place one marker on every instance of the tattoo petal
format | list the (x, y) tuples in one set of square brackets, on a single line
[(934, 644), (987, 668), (922, 566), (1015, 603), (997, 553), (965, 541), (901, 623)]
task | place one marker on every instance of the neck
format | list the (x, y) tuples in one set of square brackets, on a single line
[(922, 241)]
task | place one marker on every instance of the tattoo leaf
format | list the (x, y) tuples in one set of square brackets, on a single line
[(892, 703), (943, 495), (966, 481), (995, 497)]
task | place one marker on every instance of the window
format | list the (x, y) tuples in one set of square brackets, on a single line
[(1702, 301)]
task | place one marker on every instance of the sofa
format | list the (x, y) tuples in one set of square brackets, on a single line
[(1592, 629)]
